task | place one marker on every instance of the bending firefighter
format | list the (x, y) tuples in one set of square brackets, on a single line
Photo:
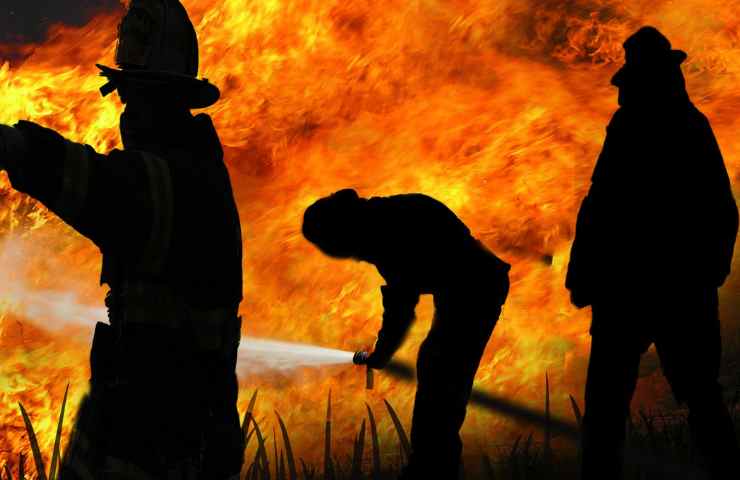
[(420, 247), (163, 390)]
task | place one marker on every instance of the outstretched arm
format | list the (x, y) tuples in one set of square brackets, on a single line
[(12, 146), (399, 305), (114, 200)]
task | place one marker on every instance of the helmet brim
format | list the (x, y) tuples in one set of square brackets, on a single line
[(676, 57), (198, 93)]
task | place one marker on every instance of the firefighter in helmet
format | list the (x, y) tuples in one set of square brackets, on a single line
[(419, 246), (163, 389), (654, 241)]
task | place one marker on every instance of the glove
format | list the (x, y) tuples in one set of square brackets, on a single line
[(373, 360), (12, 146), (3, 148), (579, 298)]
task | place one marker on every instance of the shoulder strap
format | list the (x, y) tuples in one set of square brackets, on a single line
[(157, 247)]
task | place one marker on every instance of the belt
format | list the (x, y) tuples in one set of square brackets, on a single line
[(157, 305)]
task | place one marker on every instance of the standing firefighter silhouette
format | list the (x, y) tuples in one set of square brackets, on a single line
[(420, 247), (654, 241), (163, 390)]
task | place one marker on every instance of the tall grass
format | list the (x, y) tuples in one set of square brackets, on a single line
[(661, 441)]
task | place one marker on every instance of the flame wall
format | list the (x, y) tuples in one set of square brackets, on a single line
[(497, 108)]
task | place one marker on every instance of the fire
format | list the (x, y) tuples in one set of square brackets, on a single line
[(496, 108)]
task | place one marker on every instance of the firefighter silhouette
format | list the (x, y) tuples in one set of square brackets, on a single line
[(654, 241), (163, 390), (420, 247)]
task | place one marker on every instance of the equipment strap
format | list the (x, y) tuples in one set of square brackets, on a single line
[(160, 187), (145, 303), (75, 182)]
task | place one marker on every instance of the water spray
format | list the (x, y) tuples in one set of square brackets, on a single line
[(53, 310), (259, 356), (274, 355)]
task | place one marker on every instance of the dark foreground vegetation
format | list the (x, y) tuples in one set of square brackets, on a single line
[(659, 446)]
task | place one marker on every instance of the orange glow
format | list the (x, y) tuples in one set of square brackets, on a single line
[(496, 108)]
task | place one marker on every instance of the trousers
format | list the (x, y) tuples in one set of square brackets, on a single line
[(157, 408), (446, 365), (685, 329)]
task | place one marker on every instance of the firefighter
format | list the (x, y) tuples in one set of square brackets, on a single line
[(654, 241), (163, 389), (420, 247)]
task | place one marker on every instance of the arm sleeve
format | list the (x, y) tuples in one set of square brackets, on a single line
[(579, 278), (115, 200), (399, 305), (723, 212)]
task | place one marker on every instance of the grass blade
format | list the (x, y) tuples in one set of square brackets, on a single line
[(308, 473), (576, 411), (37, 458), (515, 449), (356, 473), (245, 473), (248, 474), (527, 446), (547, 447), (399, 429), (274, 444), (376, 446), (328, 464), (292, 471), (246, 434), (58, 439), (248, 416), (261, 455), (514, 459), (22, 467), (254, 468), (281, 469)]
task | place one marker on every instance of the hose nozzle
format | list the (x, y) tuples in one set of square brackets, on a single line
[(360, 358)]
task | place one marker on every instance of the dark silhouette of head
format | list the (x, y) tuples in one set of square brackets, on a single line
[(333, 224), (156, 78), (158, 52), (652, 73)]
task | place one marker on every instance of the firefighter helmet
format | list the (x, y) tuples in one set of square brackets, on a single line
[(647, 49), (158, 47)]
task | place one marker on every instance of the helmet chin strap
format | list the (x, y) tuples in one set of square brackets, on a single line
[(111, 85)]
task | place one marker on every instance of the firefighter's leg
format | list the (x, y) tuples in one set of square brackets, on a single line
[(87, 445), (610, 383), (157, 418), (446, 366), (690, 349), (224, 449)]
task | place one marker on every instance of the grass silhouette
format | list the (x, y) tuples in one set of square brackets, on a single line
[(658, 445)]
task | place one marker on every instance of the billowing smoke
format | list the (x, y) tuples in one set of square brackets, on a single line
[(24, 23)]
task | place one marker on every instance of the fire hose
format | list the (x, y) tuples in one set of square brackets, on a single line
[(552, 425), (406, 372)]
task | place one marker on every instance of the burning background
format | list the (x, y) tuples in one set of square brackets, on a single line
[(495, 107)]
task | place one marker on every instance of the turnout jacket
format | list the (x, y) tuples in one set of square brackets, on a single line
[(660, 212), (163, 215), (419, 246)]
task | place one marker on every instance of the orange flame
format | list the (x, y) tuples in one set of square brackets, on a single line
[(497, 108)]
